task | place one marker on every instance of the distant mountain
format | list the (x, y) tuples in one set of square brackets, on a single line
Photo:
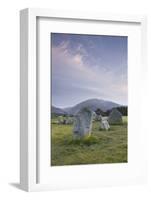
[(58, 111), (92, 104)]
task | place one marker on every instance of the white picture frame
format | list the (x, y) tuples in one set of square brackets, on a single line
[(29, 83)]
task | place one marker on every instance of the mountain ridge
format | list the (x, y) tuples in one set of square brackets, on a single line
[(92, 104)]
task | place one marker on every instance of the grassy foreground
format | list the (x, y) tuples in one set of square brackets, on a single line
[(102, 147)]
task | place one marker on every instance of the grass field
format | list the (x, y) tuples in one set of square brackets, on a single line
[(102, 147)]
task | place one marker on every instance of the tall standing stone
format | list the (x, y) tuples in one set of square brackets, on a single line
[(83, 123), (115, 117)]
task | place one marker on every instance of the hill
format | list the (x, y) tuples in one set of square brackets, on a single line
[(58, 111), (92, 104)]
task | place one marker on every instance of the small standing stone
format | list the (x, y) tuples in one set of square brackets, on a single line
[(69, 120), (98, 117), (115, 117), (83, 123), (104, 123), (60, 120), (94, 115)]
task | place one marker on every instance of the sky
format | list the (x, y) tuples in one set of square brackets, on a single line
[(88, 67)]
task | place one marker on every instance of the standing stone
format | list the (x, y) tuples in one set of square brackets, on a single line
[(115, 117), (60, 120), (94, 115), (99, 117), (104, 123), (83, 123), (69, 120)]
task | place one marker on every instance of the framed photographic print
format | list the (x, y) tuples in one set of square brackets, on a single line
[(82, 77)]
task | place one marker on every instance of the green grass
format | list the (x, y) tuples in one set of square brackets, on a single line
[(101, 147)]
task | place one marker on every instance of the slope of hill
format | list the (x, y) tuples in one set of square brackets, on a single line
[(92, 104), (58, 111)]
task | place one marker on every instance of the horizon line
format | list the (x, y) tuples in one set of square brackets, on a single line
[(87, 100)]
